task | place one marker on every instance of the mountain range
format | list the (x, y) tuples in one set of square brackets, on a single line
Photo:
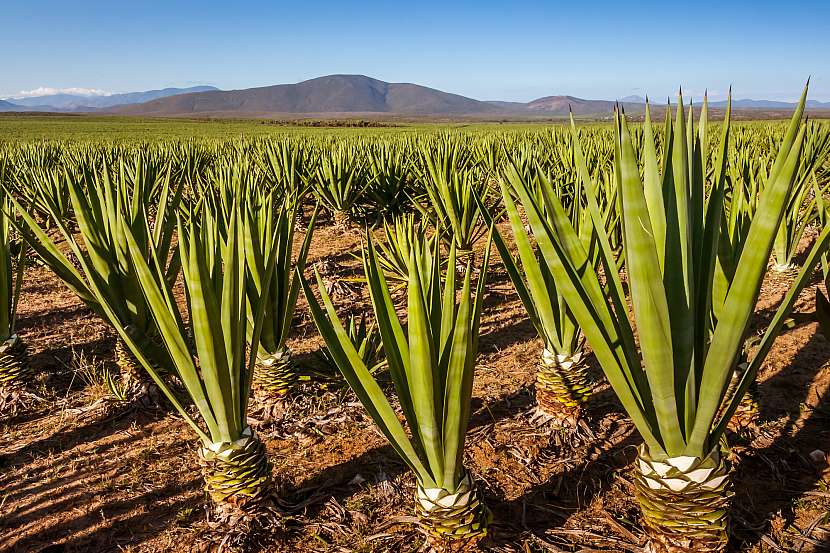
[(343, 96), (352, 95), (77, 102)]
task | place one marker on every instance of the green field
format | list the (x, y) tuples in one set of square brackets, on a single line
[(29, 128)]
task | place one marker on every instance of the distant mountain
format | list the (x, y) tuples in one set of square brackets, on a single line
[(768, 104), (562, 105), (344, 96), (356, 94), (73, 102), (331, 94), (633, 99)]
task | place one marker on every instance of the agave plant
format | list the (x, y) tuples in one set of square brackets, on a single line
[(673, 388), (285, 166), (366, 340), (390, 175), (271, 229), (42, 189), (94, 262), (563, 383), (452, 189), (340, 182), (743, 189), (212, 368), (431, 365), (15, 371), (400, 238), (801, 210)]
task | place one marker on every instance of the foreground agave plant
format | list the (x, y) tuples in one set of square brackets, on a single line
[(98, 269), (432, 366), (673, 388), (563, 384), (15, 371), (218, 377)]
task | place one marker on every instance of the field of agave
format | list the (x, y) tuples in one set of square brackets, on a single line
[(564, 338)]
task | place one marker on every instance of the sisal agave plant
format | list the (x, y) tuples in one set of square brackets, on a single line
[(15, 371), (212, 368), (431, 364), (452, 189), (563, 383), (94, 262), (285, 166), (673, 387), (390, 174), (271, 228), (393, 252), (801, 210), (366, 341), (340, 183)]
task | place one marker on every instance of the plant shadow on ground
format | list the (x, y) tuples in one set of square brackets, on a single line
[(93, 475), (334, 481), (772, 478), (55, 378)]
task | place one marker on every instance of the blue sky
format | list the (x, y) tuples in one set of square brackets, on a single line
[(508, 51)]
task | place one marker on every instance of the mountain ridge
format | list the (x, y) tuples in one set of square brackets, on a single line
[(77, 102), (345, 95), (357, 94)]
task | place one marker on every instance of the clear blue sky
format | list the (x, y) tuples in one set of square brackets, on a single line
[(515, 50)]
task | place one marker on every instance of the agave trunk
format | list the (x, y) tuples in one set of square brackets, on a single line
[(136, 385), (275, 375), (456, 520), (14, 362), (685, 501), (15, 372), (237, 476), (562, 386)]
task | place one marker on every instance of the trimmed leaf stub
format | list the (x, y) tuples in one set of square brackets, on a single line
[(685, 502), (454, 520), (14, 362), (237, 475), (275, 374), (563, 385)]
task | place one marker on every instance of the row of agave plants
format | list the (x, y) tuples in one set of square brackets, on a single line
[(643, 247)]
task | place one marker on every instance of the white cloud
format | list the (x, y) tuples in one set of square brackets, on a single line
[(49, 91)]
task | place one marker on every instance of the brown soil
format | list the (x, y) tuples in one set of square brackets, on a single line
[(74, 478)]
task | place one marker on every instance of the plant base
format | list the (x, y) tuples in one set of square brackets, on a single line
[(342, 221), (237, 477), (684, 501), (274, 377), (455, 521), (136, 385), (562, 388), (15, 374)]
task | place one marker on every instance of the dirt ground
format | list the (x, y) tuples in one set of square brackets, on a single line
[(77, 474)]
